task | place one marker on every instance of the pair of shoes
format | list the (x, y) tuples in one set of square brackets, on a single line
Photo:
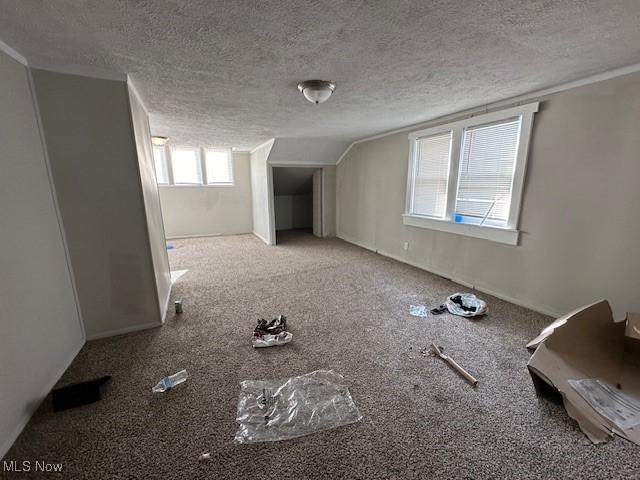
[(274, 327)]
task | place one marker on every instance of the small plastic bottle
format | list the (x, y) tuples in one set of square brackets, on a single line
[(168, 382)]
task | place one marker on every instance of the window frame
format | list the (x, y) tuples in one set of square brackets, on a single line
[(202, 166), (508, 234), (198, 163), (229, 154), (166, 164)]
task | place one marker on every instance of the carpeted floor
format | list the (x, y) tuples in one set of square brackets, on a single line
[(347, 309)]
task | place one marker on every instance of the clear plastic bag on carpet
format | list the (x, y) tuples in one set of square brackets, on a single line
[(284, 409), (466, 305)]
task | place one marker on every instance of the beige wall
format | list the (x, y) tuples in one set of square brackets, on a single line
[(579, 220), (329, 207), (40, 329), (293, 211), (209, 210), (155, 228), (87, 126)]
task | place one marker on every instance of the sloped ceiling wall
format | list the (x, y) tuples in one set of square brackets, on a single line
[(307, 151)]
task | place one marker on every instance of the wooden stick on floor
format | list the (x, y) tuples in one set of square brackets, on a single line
[(467, 376)]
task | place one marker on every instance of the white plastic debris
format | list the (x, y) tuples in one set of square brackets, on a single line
[(465, 305), (284, 409), (418, 310), (205, 456), (268, 340)]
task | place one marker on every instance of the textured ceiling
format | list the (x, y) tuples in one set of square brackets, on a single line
[(225, 72)]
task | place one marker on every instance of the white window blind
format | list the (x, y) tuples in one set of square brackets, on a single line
[(432, 175), (185, 164), (160, 163), (486, 171), (219, 167)]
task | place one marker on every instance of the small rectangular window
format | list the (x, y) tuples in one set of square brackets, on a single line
[(432, 175), (160, 164), (219, 166), (185, 165)]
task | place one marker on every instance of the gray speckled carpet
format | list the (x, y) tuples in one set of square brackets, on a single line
[(348, 311)]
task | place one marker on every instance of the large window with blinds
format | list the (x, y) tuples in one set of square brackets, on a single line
[(466, 177)]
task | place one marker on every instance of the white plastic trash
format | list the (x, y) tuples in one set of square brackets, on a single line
[(269, 340), (471, 306), (418, 311)]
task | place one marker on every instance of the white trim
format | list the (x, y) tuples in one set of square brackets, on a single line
[(195, 185), (133, 89), (167, 300), (302, 165), (271, 205), (500, 235), (122, 331), (54, 196), (460, 281), (16, 56), (261, 237), (83, 71), (31, 407), (344, 154), (264, 144), (323, 206), (483, 108), (204, 235)]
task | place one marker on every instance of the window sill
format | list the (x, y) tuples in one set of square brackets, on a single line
[(495, 234)]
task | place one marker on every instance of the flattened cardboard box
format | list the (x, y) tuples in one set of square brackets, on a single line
[(588, 344)]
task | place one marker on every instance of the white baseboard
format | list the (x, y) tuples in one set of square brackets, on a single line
[(204, 235), (32, 407), (120, 331), (261, 238), (479, 288), (163, 313)]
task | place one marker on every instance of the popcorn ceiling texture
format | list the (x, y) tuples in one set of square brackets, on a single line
[(225, 72), (348, 311)]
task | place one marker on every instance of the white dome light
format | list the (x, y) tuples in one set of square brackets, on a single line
[(316, 91)]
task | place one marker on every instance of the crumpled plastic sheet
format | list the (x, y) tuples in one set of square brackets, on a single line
[(298, 406)]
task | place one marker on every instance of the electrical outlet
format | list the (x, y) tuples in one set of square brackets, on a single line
[(406, 245)]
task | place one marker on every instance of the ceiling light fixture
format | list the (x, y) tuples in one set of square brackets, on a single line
[(316, 91), (159, 141)]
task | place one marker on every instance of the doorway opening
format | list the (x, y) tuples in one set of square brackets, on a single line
[(297, 201)]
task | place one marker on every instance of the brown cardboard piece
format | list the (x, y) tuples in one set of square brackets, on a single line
[(588, 344)]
